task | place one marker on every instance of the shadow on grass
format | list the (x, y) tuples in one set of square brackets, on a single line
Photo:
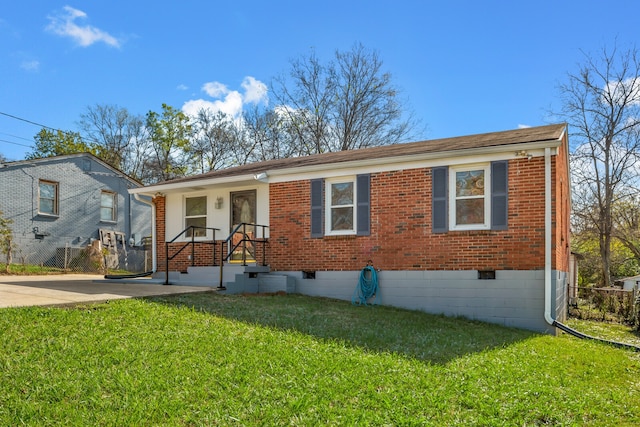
[(432, 338)]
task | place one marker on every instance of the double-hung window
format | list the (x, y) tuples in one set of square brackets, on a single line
[(196, 215), (48, 197), (341, 206), (470, 197), (470, 203), (108, 211)]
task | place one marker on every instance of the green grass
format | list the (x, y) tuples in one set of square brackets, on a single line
[(34, 270), (29, 269), (607, 330), (207, 359)]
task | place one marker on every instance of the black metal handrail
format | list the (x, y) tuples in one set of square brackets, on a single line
[(243, 242), (192, 242)]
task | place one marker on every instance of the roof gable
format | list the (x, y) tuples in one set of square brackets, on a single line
[(51, 159)]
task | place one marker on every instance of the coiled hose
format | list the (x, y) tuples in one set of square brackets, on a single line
[(367, 287)]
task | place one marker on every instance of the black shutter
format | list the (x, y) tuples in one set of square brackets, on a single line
[(317, 208), (499, 195), (439, 199), (363, 221)]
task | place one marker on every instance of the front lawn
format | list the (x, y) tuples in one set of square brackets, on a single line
[(207, 359)]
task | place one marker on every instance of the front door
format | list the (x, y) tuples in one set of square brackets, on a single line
[(243, 218)]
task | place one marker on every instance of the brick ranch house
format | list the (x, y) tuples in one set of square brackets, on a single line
[(474, 226)]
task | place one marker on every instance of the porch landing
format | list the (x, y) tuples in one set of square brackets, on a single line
[(235, 278)]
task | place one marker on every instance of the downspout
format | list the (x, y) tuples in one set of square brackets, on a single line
[(154, 262), (548, 317)]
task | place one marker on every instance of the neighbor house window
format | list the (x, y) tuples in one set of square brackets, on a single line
[(48, 197), (196, 215), (469, 198), (108, 206)]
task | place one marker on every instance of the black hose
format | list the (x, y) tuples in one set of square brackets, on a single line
[(128, 276), (580, 335)]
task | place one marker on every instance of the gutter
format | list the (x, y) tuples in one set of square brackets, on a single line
[(298, 171)]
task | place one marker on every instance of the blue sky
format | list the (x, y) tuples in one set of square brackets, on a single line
[(465, 67)]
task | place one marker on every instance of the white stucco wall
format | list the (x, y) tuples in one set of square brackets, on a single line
[(216, 218)]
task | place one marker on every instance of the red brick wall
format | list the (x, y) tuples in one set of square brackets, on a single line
[(562, 208), (160, 202), (401, 237)]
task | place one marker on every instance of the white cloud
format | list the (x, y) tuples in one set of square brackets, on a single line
[(623, 92), (230, 102), (521, 126), (182, 87), (215, 89), (254, 90), (64, 24), (231, 105), (32, 65)]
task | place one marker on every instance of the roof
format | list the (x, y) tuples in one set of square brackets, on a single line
[(453, 146), (28, 162)]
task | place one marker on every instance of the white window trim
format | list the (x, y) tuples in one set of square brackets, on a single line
[(114, 208), (328, 206), (207, 235), (486, 167), (56, 198)]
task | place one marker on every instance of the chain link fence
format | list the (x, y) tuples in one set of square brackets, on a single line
[(92, 258), (604, 304)]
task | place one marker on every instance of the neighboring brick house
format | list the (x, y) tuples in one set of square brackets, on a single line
[(59, 205), (476, 226)]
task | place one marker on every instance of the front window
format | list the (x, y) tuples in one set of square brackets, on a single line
[(48, 198), (107, 206), (469, 199), (341, 207), (196, 216)]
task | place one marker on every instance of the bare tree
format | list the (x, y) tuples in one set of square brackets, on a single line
[(601, 103), (214, 138), (345, 104), (120, 135), (265, 135)]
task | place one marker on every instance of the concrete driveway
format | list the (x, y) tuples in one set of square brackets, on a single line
[(20, 291)]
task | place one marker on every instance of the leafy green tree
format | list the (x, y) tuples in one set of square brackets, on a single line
[(169, 136), (49, 143), (626, 227)]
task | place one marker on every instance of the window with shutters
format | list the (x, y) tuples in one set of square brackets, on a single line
[(469, 197)]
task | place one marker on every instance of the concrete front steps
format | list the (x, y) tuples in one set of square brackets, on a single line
[(236, 279)]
